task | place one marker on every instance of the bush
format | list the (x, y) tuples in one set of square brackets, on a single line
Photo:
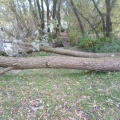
[(73, 37), (104, 44), (86, 42)]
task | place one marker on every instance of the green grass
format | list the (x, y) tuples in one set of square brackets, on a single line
[(60, 95), (36, 54)]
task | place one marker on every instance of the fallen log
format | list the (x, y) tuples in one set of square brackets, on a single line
[(68, 52), (60, 62), (77, 53), (72, 52)]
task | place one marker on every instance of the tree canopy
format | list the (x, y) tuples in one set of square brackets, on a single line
[(95, 17)]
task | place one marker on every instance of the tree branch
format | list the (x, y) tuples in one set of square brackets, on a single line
[(102, 17), (6, 70)]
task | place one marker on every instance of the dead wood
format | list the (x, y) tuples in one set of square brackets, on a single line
[(62, 62), (77, 53)]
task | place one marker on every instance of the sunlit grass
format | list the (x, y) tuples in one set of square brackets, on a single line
[(60, 94)]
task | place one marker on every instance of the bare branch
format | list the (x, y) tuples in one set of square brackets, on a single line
[(6, 70), (102, 17)]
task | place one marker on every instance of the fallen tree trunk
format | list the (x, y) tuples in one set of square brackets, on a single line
[(77, 53), (60, 62), (68, 52), (72, 52)]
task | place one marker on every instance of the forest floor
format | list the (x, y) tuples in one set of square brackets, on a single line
[(50, 94)]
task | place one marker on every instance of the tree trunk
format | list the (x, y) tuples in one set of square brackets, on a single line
[(108, 19), (58, 17), (39, 9), (70, 52), (58, 13), (48, 15), (42, 19), (54, 8), (66, 52), (60, 62), (34, 14), (77, 53)]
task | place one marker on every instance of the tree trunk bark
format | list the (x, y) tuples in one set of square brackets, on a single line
[(66, 52), (54, 8), (39, 9), (42, 19), (61, 62), (108, 18), (48, 15), (77, 53)]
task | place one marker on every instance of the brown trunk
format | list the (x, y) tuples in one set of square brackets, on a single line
[(67, 52), (39, 9), (54, 8), (58, 13), (77, 53), (48, 15), (42, 19), (108, 19), (61, 62)]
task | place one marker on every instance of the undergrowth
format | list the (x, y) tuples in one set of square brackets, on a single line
[(103, 44)]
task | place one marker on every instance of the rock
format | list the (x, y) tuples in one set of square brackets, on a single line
[(36, 45)]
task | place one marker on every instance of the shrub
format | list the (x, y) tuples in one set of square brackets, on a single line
[(73, 37), (86, 42), (104, 44)]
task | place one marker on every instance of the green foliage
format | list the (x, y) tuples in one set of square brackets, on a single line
[(54, 23), (104, 44), (109, 45), (73, 36), (86, 42)]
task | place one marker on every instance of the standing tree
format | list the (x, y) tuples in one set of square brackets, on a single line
[(43, 18), (48, 15), (107, 24), (108, 18), (54, 9)]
